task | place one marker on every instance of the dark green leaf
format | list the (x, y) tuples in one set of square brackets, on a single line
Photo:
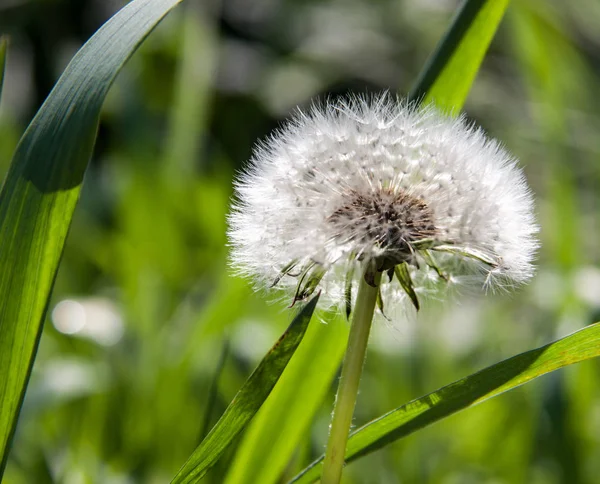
[(465, 393), (41, 190), (248, 400)]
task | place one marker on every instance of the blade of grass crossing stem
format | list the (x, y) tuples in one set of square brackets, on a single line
[(288, 412), (247, 401), (464, 393), (450, 71), (3, 49), (41, 190)]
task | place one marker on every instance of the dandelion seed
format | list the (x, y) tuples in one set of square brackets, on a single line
[(376, 183)]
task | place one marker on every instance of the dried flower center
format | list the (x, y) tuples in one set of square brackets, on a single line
[(390, 219)]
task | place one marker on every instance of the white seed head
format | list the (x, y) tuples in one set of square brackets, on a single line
[(376, 181)]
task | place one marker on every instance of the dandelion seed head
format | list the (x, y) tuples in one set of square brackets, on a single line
[(374, 180)]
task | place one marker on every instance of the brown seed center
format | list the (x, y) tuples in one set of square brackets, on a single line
[(390, 219)]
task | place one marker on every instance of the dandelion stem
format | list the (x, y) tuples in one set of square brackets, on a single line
[(348, 386)]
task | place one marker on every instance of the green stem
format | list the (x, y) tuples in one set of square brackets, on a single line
[(348, 386)]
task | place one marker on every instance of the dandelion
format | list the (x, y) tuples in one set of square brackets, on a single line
[(379, 193), (408, 192)]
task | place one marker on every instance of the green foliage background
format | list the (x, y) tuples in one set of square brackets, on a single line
[(156, 314)]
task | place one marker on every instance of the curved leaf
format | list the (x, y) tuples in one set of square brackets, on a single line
[(41, 190), (248, 400), (450, 71), (467, 392)]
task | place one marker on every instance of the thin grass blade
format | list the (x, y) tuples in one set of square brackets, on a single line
[(285, 418), (41, 190), (450, 71), (465, 393), (247, 401)]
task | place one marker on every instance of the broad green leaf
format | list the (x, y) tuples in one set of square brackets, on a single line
[(3, 48), (248, 400), (285, 418), (451, 69), (467, 392), (41, 190)]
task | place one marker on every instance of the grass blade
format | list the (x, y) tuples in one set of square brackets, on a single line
[(248, 400), (41, 190), (286, 416), (450, 71), (465, 393)]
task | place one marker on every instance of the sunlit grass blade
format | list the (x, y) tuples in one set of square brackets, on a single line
[(450, 71), (41, 190), (464, 393), (3, 49), (285, 417), (248, 400)]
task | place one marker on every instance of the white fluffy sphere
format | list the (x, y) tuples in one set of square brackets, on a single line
[(375, 181)]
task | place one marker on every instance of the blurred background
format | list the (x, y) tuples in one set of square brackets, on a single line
[(148, 336)]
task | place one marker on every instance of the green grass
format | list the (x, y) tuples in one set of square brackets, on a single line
[(464, 393), (248, 400), (40, 192), (148, 240)]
